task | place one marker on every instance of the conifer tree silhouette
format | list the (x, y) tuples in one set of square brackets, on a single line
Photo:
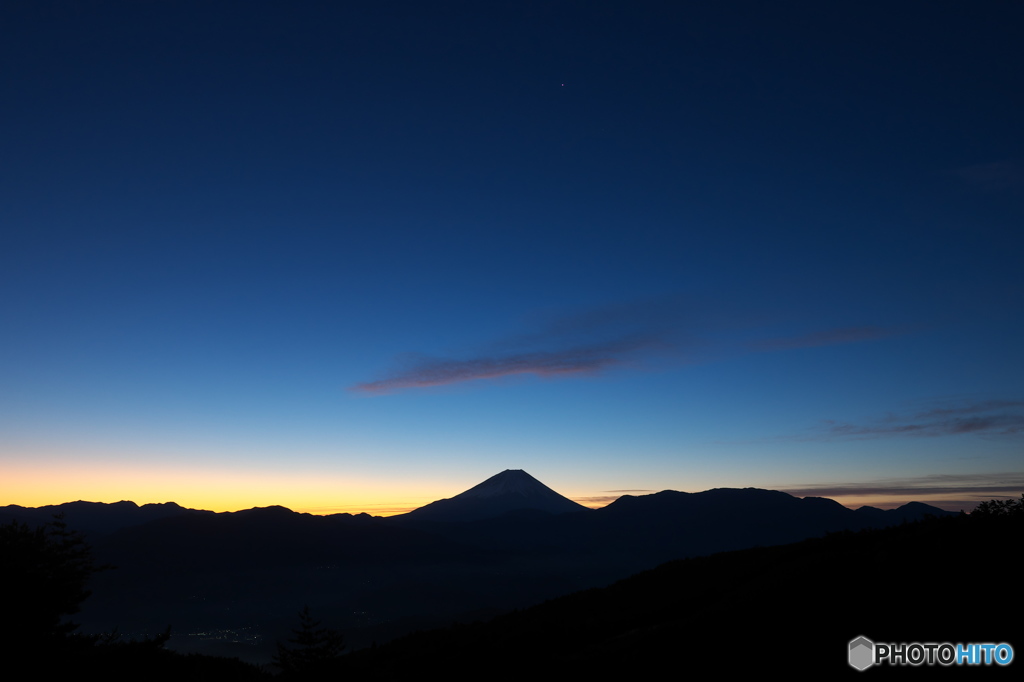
[(311, 649), (44, 572)]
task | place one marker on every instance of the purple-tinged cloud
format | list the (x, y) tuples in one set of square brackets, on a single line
[(826, 337), (574, 360), (966, 488), (596, 500), (992, 417), (595, 341)]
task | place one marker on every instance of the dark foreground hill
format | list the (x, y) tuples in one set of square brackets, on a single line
[(791, 609)]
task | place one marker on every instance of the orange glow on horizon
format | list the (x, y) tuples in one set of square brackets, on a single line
[(950, 501), (212, 489), (53, 480)]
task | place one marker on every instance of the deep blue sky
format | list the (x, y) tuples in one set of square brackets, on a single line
[(365, 255)]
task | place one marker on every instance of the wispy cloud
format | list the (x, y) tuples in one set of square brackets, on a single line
[(573, 360), (604, 500), (587, 343), (991, 417), (961, 489), (595, 501), (629, 334)]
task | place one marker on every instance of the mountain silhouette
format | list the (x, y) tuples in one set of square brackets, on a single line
[(513, 490), (506, 543), (96, 518)]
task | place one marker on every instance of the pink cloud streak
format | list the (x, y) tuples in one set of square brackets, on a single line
[(596, 341), (437, 372)]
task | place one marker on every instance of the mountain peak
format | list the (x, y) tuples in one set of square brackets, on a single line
[(509, 481), (510, 490)]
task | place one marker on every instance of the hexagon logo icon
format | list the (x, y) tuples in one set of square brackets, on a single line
[(862, 653)]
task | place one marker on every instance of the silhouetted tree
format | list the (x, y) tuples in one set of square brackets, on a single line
[(312, 648), (1000, 508), (43, 576)]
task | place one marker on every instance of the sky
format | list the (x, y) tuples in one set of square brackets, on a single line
[(349, 257)]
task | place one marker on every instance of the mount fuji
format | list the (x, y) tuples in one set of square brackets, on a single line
[(510, 491)]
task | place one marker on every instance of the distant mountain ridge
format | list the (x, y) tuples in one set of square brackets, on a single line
[(518, 495), (505, 543), (670, 524), (96, 518)]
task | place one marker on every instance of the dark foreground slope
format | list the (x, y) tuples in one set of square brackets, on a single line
[(788, 608), (793, 607)]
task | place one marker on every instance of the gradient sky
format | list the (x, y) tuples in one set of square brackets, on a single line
[(361, 256)]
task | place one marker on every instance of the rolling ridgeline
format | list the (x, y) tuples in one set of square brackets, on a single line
[(510, 543)]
